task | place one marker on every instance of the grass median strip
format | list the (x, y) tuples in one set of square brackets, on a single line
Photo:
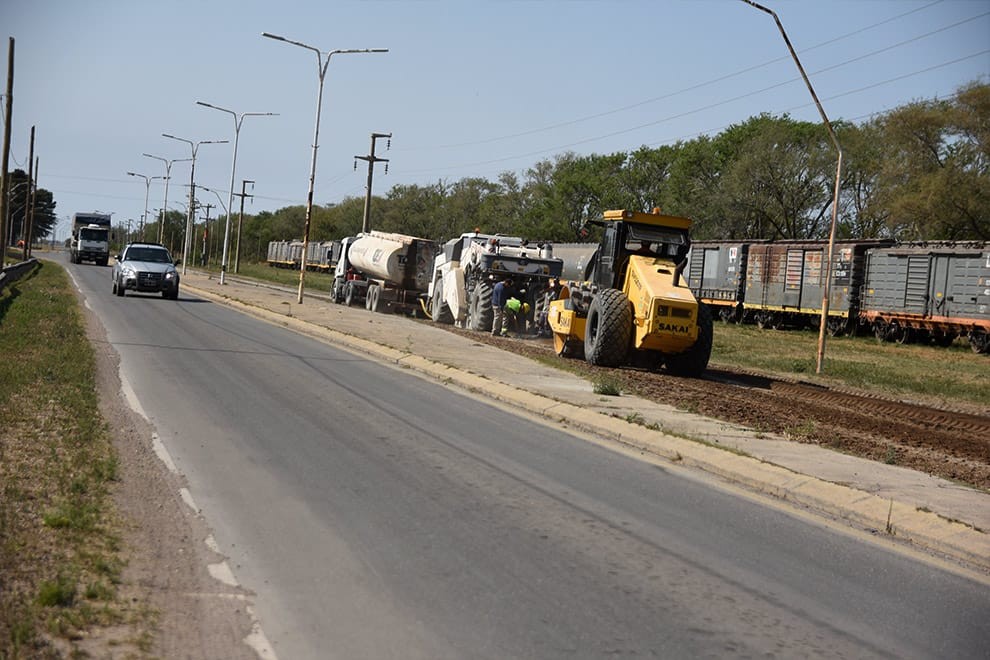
[(60, 556)]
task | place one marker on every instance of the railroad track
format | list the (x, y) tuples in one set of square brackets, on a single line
[(925, 416)]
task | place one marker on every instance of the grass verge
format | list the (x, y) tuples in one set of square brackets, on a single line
[(948, 374), (60, 560)]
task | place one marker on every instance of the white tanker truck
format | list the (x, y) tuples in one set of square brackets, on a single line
[(387, 272)]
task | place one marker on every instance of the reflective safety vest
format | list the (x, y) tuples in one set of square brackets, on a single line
[(513, 305)]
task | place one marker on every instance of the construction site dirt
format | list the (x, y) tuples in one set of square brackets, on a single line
[(952, 444)]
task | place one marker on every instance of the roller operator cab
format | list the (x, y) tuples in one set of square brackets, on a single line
[(635, 308)]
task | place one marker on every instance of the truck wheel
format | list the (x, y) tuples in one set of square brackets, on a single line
[(104, 262), (374, 298), (608, 330), (693, 362), (439, 310), (480, 310), (336, 292), (348, 294)]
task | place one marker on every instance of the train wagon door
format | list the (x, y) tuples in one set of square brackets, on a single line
[(793, 278), (940, 297), (918, 285), (758, 276)]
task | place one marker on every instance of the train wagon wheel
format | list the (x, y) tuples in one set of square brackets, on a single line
[(763, 320), (904, 335), (880, 330), (693, 362), (979, 341), (836, 327), (609, 329)]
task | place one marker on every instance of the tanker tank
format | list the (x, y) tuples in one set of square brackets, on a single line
[(404, 261)]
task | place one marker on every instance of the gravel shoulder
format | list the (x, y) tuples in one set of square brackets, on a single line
[(191, 614)]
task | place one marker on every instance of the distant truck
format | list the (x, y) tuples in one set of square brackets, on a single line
[(90, 238), (387, 272), (466, 271)]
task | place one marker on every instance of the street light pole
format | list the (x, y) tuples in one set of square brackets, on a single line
[(186, 243), (147, 189), (168, 170), (238, 120), (321, 69), (826, 292)]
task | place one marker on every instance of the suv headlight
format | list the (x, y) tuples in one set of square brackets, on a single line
[(128, 271), (171, 275)]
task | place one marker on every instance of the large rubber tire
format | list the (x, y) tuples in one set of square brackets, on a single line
[(374, 299), (608, 330), (693, 362), (439, 310), (480, 313), (336, 294), (171, 295), (120, 288), (349, 294)]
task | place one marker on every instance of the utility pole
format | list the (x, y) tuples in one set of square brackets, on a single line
[(27, 196), (5, 156), (206, 235), (30, 219), (371, 171), (240, 222)]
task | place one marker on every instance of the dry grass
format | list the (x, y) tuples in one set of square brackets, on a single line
[(59, 546)]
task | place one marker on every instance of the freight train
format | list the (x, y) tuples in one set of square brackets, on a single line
[(931, 292), (320, 255)]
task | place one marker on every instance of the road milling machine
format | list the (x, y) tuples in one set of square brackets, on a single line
[(635, 309)]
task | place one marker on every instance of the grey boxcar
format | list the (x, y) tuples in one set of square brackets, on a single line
[(929, 291)]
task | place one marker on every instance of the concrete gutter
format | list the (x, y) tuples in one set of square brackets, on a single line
[(925, 512)]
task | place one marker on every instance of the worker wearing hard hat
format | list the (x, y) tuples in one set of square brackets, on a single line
[(516, 313)]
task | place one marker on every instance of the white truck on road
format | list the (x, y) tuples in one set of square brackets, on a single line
[(90, 238)]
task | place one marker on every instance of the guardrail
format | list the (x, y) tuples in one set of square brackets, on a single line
[(11, 274)]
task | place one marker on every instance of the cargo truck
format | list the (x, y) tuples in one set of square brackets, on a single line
[(90, 238), (387, 272)]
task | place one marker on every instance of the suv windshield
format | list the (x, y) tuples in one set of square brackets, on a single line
[(148, 254)]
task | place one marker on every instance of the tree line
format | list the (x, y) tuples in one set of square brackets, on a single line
[(918, 172)]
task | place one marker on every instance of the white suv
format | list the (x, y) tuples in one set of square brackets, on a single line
[(146, 267)]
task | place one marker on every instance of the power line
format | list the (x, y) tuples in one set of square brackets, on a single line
[(679, 115), (690, 88)]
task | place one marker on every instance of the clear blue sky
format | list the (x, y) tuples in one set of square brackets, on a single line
[(467, 89)]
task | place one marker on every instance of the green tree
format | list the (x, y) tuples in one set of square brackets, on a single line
[(780, 184), (934, 174)]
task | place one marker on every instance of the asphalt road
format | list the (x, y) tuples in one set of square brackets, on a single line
[(376, 514)]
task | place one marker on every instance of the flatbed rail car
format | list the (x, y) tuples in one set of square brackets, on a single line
[(929, 292)]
